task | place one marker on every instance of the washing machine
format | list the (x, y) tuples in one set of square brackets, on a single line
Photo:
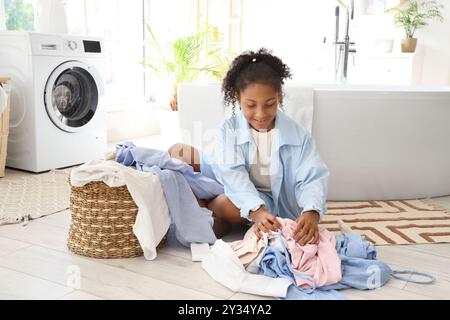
[(57, 117)]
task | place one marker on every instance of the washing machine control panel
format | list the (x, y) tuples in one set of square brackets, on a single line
[(90, 46), (53, 45), (73, 45)]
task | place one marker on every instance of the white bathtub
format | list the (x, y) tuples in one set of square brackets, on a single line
[(380, 143)]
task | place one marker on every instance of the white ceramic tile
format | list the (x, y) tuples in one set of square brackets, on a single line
[(8, 246), (96, 278), (439, 290), (415, 260), (38, 234), (175, 270), (60, 219), (439, 249), (80, 295), (383, 293), (16, 285)]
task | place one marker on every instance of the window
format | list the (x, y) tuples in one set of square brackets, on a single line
[(171, 19), (168, 19), (120, 24), (18, 15)]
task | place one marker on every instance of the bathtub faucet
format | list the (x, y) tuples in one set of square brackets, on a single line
[(343, 48)]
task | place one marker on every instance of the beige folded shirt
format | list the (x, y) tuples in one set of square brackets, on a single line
[(248, 248)]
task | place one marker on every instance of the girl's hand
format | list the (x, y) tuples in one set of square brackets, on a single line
[(307, 231), (264, 221)]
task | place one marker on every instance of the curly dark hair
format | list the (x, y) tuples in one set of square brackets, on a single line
[(254, 67)]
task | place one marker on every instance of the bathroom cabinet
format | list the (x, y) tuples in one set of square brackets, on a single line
[(387, 69), (364, 68)]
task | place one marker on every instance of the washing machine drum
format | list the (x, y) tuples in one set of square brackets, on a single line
[(72, 96)]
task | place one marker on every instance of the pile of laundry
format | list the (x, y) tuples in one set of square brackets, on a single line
[(277, 266)]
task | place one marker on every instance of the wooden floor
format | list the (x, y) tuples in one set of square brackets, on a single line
[(35, 264)]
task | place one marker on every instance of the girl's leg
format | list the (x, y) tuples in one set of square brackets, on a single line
[(186, 153), (225, 214), (224, 211)]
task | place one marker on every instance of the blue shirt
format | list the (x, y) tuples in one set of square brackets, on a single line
[(192, 223), (299, 177)]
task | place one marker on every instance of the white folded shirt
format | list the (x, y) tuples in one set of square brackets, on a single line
[(223, 265)]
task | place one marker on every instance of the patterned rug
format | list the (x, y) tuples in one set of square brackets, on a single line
[(25, 196), (391, 222)]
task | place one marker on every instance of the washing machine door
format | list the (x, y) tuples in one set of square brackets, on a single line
[(72, 94)]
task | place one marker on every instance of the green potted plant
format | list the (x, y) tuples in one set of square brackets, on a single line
[(189, 58), (412, 15)]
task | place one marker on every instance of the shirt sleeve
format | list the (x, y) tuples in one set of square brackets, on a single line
[(234, 176), (311, 187)]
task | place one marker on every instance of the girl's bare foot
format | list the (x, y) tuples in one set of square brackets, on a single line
[(110, 156)]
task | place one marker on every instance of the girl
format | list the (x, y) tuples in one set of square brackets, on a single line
[(268, 164)]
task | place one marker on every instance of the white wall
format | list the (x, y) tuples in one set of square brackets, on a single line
[(293, 29), (435, 39)]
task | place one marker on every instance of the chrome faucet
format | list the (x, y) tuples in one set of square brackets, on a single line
[(343, 48)]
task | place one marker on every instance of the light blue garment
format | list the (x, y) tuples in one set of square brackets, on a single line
[(294, 293), (276, 263), (268, 200), (360, 269), (431, 278), (192, 223), (299, 177), (143, 158), (354, 245)]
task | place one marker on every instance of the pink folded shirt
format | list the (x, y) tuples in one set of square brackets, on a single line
[(319, 261)]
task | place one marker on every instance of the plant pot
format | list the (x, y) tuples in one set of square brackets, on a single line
[(409, 44), (174, 102)]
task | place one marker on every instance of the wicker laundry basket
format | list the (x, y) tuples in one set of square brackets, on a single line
[(102, 222)]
